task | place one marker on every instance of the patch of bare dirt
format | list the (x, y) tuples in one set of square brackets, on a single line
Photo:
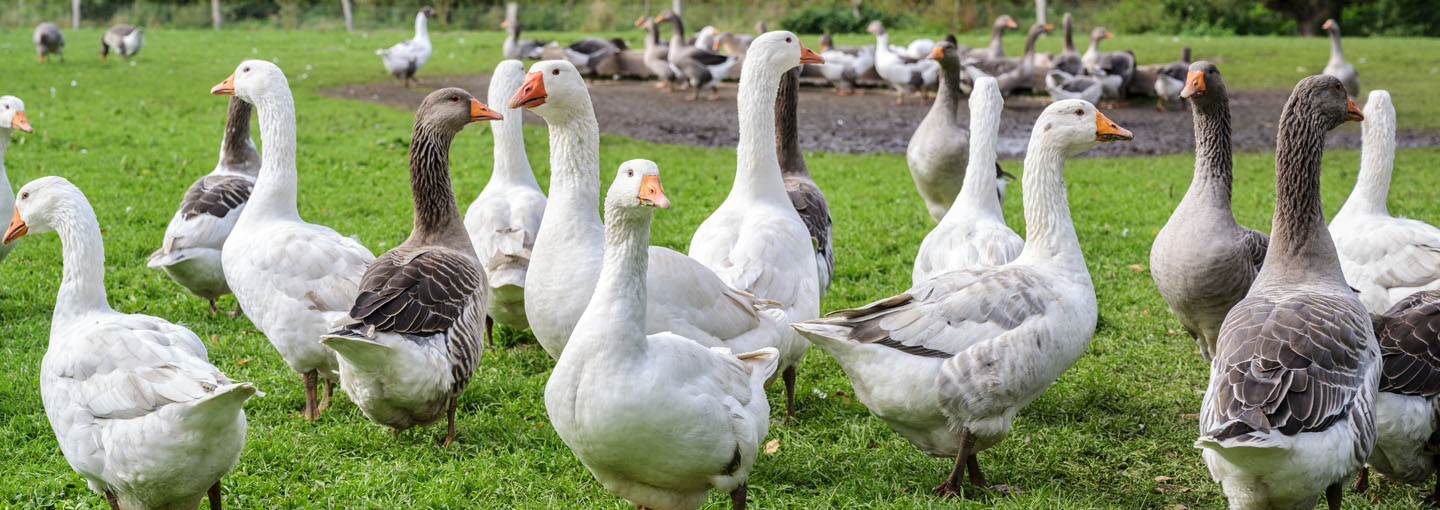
[(873, 123)]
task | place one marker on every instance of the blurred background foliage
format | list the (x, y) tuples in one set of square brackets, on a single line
[(1181, 17)]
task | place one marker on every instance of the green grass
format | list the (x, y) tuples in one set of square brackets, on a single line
[(134, 137)]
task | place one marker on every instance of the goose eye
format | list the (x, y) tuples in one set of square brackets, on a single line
[(454, 98), (245, 70), (787, 39), (1079, 112), (25, 195), (630, 173), (555, 72)]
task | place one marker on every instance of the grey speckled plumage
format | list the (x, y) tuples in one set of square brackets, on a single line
[(125, 39), (809, 200), (1337, 66), (1289, 413), (940, 147), (1069, 58), (515, 47), (48, 40), (1203, 261), (1407, 412), (657, 52), (429, 291)]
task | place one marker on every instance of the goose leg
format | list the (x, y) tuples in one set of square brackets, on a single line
[(695, 95), (114, 502), (951, 486), (214, 494), (1160, 104), (237, 311), (325, 398), (489, 328), (1332, 495), (450, 421), (972, 465), (213, 310), (789, 376), (1433, 500), (737, 498), (311, 411), (715, 93), (1362, 482)]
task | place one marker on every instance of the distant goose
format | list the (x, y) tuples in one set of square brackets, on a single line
[(12, 116), (1069, 59), (657, 54), (48, 40), (844, 66), (1337, 66), (809, 200), (1062, 85), (588, 53), (1114, 69), (1170, 79), (704, 69), (515, 47), (405, 58), (907, 74), (939, 147), (126, 39), (996, 49)]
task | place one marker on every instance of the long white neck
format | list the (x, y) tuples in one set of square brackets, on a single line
[(82, 288), (4, 146), (574, 165), (1049, 232), (618, 305), (757, 174), (421, 32), (1094, 47), (274, 193), (1377, 161), (882, 44), (978, 192), (511, 164)]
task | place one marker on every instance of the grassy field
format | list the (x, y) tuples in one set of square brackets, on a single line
[(1111, 433)]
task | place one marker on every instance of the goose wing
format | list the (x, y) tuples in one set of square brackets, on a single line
[(1409, 337), (417, 293)]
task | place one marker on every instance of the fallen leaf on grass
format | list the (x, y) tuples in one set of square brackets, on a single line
[(1177, 506), (1163, 478), (772, 446), (242, 361), (1192, 416), (1136, 267)]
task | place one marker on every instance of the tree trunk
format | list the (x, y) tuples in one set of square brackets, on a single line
[(677, 6), (349, 18), (215, 13), (1040, 12), (75, 14)]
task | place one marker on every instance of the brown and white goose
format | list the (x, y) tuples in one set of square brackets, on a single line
[(704, 69), (515, 47), (190, 252), (808, 199), (1069, 59), (657, 54), (48, 40), (125, 39), (1170, 79), (1407, 410), (996, 49), (1337, 66), (416, 331), (1113, 69), (1011, 74), (1289, 413), (1202, 260)]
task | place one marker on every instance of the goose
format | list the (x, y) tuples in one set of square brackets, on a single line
[(949, 363), (756, 241), (126, 39), (406, 57), (657, 54), (734, 44), (1385, 257), (973, 233), (996, 49), (135, 404), (293, 279), (1113, 70), (906, 74), (413, 337), (1011, 73), (845, 65), (939, 147), (808, 199), (48, 40), (686, 297), (588, 53), (515, 47), (1202, 260), (1406, 445), (1289, 414), (504, 219), (705, 38), (12, 116), (1170, 79), (1069, 59), (658, 419), (702, 68), (1062, 85), (1337, 66), (190, 252)]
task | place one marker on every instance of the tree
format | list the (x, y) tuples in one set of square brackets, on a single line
[(349, 18), (215, 13), (74, 13), (1308, 14)]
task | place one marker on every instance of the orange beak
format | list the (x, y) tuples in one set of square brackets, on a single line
[(1049, 27), (1194, 85), (640, 21), (1010, 23), (20, 122), (480, 112), (715, 46), (1108, 34), (937, 53), (531, 93), (651, 193), (505, 24), (1327, 25), (225, 88), (18, 228), (1352, 112), (808, 56), (659, 17), (1107, 130)]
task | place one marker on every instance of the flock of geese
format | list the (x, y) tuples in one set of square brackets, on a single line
[(1322, 338)]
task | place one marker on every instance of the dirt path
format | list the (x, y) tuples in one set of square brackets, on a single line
[(873, 123)]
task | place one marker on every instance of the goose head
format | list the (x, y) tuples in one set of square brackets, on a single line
[(1038, 29), (761, 27), (1321, 100), (637, 185), (1099, 33), (1203, 84), (1005, 22), (12, 114), (428, 11), (946, 53), (876, 27), (1075, 125), (44, 203), (1378, 108), (1331, 26), (826, 42), (254, 80), (450, 109), (554, 89), (780, 50)]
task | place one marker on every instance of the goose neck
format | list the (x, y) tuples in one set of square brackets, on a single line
[(1049, 233), (978, 191), (82, 286), (437, 217), (511, 164), (1377, 162), (617, 306), (1335, 53), (4, 146), (422, 32), (997, 46), (275, 188), (575, 164), (1299, 240), (758, 171), (652, 35), (787, 129), (1030, 44), (947, 97), (1069, 37), (1213, 161), (237, 151), (882, 43), (677, 32)]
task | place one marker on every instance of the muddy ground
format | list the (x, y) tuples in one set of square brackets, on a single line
[(873, 123)]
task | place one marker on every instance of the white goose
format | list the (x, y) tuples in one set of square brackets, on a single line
[(1407, 448), (659, 420), (413, 338), (973, 233), (755, 241), (685, 297), (138, 409), (293, 279), (948, 363), (12, 116), (405, 58), (190, 253), (1386, 258), (907, 74), (505, 218)]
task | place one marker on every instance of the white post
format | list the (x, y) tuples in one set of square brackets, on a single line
[(215, 13), (677, 6), (75, 14), (349, 19), (1040, 11)]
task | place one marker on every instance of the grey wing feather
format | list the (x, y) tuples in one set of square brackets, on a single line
[(810, 202), (419, 295), (215, 195), (1256, 243), (1409, 337)]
